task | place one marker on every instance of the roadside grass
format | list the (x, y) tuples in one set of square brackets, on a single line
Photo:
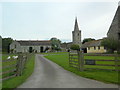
[(100, 75), (16, 81)]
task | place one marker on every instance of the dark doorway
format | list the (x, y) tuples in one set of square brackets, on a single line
[(30, 49), (84, 50), (41, 49)]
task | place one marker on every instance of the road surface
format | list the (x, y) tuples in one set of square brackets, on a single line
[(49, 75)]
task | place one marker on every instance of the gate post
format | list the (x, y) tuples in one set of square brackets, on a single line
[(81, 60), (19, 65)]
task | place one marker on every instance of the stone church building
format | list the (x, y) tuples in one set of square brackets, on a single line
[(25, 46), (76, 37), (76, 34)]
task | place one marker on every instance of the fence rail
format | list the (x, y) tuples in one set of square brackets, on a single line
[(13, 67), (77, 60)]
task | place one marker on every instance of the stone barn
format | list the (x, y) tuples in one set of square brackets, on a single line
[(29, 46), (114, 30)]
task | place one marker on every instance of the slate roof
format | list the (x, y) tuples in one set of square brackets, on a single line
[(92, 43), (34, 42)]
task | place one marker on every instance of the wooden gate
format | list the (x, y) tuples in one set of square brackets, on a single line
[(76, 60)]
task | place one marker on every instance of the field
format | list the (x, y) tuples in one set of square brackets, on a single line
[(16, 81), (100, 75)]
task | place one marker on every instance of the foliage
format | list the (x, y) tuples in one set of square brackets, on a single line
[(87, 40), (75, 47), (5, 44), (111, 44), (100, 75), (55, 44)]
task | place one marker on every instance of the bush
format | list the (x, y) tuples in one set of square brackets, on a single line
[(111, 44), (75, 47)]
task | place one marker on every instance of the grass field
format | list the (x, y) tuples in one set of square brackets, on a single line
[(100, 75), (16, 81)]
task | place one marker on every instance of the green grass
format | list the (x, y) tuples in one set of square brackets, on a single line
[(16, 81), (100, 75)]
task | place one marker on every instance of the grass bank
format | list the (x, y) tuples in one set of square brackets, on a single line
[(100, 75), (16, 81)]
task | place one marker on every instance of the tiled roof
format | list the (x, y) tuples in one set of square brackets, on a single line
[(92, 43), (34, 42)]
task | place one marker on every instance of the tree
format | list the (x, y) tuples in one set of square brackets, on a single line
[(55, 44), (87, 40), (75, 47), (5, 44), (111, 44)]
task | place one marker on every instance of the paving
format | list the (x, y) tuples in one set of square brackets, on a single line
[(49, 75)]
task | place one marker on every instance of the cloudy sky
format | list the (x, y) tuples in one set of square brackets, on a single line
[(28, 20)]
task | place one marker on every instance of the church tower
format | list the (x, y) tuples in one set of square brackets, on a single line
[(76, 34)]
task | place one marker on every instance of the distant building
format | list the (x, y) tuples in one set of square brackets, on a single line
[(93, 47), (76, 34), (76, 37), (114, 30), (65, 46), (30, 46)]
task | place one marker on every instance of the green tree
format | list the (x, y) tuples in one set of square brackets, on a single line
[(75, 47), (111, 44), (87, 40), (5, 44), (55, 44)]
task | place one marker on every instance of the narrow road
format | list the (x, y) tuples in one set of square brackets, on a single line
[(49, 75)]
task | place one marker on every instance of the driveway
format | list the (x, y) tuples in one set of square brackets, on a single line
[(49, 75)]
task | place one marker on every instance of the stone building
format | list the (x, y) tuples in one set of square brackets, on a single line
[(114, 30), (76, 37), (76, 34), (30, 46)]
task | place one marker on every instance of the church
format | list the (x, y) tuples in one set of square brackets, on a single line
[(76, 37)]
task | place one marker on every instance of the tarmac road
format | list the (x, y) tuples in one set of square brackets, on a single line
[(49, 75)]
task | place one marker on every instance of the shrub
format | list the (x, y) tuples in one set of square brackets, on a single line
[(111, 44), (75, 47)]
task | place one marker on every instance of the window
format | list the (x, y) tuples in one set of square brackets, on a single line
[(98, 47), (94, 48), (15, 46), (88, 48), (118, 36), (104, 47)]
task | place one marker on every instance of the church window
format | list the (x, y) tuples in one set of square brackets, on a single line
[(94, 48), (118, 36), (78, 34)]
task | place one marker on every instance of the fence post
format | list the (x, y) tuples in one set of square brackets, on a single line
[(81, 61), (116, 63), (19, 65)]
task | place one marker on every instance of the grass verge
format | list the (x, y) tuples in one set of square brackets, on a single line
[(16, 81), (100, 75)]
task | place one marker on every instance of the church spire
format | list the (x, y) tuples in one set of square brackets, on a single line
[(76, 28)]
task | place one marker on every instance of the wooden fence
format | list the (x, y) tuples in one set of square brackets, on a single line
[(13, 67), (78, 60)]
